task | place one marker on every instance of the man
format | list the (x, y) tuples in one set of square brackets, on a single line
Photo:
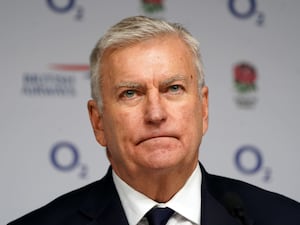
[(150, 111)]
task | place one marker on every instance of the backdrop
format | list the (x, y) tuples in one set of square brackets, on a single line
[(250, 51)]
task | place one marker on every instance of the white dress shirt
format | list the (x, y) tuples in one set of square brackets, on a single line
[(186, 202)]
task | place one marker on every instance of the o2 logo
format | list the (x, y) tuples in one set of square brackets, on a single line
[(245, 9), (65, 157), (249, 160), (66, 7)]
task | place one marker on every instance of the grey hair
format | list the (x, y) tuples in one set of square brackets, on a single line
[(133, 30)]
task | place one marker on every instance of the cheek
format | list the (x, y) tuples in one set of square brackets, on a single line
[(192, 114), (191, 121), (122, 127)]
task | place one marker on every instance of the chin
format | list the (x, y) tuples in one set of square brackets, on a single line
[(163, 161)]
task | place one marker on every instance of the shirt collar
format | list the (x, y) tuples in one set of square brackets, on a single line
[(186, 202)]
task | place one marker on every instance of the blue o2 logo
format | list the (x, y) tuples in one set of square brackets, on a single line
[(245, 13), (245, 9), (61, 8), (249, 160), (58, 155), (66, 6), (65, 157)]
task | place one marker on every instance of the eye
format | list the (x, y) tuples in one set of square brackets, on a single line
[(129, 94), (175, 88)]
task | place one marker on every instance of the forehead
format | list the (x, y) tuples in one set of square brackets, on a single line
[(167, 55)]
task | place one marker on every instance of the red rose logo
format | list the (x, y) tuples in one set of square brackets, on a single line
[(245, 77), (152, 6), (153, 1)]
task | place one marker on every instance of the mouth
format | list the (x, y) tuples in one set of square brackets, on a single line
[(155, 137)]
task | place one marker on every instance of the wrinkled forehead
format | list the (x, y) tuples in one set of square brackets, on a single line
[(125, 43), (154, 60)]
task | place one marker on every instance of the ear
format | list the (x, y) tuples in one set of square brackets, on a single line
[(97, 122), (204, 101)]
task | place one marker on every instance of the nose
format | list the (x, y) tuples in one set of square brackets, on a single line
[(155, 109)]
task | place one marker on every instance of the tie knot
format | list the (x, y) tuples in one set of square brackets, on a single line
[(159, 216)]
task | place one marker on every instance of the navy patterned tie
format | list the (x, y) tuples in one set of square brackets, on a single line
[(159, 216)]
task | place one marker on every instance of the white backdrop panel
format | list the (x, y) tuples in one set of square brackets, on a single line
[(43, 108)]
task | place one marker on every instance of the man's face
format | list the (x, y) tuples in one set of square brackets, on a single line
[(153, 116)]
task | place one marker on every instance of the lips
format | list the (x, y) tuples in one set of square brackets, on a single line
[(155, 136)]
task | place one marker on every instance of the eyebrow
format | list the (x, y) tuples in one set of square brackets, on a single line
[(127, 84), (174, 79)]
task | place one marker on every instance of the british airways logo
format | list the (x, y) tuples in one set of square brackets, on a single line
[(58, 81)]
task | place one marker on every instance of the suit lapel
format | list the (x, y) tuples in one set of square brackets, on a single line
[(212, 211), (103, 205)]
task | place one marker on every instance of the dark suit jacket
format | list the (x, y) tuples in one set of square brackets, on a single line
[(224, 202)]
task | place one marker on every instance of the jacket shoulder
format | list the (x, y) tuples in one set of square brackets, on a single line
[(265, 207), (64, 209)]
